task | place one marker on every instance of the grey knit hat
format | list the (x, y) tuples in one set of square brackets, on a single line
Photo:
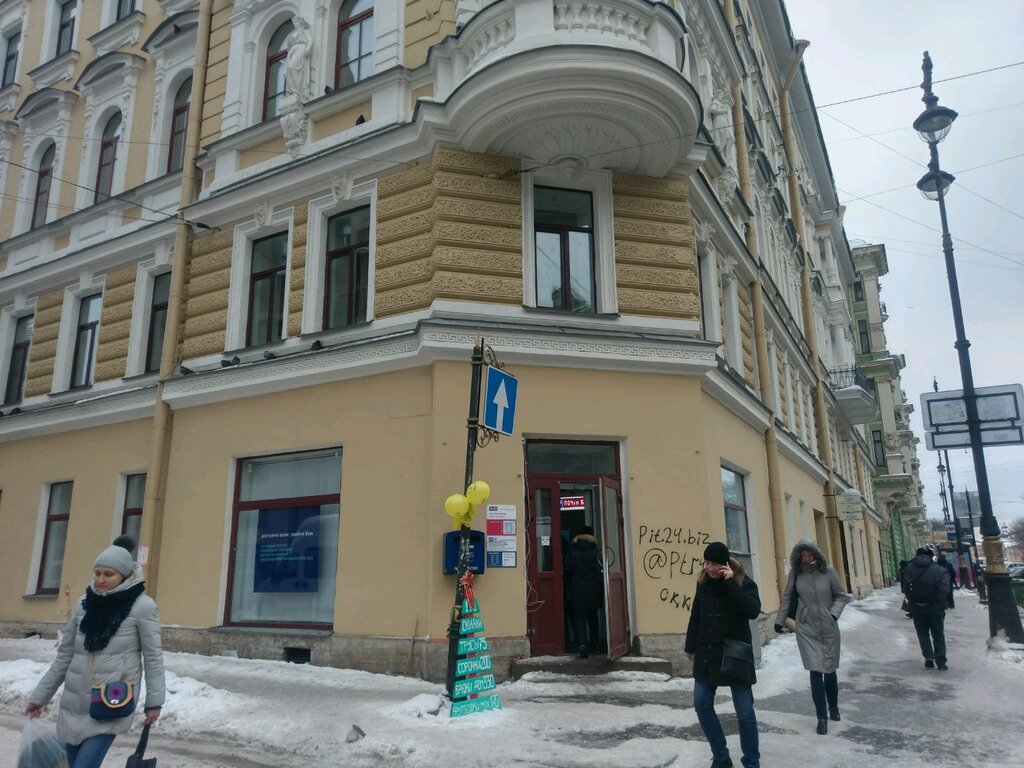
[(118, 557)]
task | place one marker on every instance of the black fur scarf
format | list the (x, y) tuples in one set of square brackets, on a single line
[(104, 614)]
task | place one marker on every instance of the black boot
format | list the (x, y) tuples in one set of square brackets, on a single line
[(584, 652), (833, 713), (822, 726)]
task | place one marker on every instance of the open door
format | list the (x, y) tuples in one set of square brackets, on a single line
[(545, 622), (613, 539)]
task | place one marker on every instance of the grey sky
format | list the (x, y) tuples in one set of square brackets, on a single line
[(862, 47)]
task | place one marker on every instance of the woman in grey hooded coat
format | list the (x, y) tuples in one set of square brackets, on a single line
[(113, 634), (814, 584)]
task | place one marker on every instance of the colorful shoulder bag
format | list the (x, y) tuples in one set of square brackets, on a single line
[(110, 701)]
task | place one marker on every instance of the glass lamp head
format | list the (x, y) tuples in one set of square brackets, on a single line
[(934, 123), (934, 183)]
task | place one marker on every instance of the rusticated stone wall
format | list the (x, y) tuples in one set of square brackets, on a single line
[(747, 332), (451, 228), (655, 257), (297, 278), (115, 324), (43, 352), (206, 294)]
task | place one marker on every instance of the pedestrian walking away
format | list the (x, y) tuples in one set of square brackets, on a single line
[(820, 599), (718, 643), (940, 558), (926, 585), (586, 588), (112, 636)]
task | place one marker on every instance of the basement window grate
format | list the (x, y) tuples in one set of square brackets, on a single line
[(298, 655)]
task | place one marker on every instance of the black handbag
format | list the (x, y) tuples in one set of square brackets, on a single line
[(138, 758), (737, 663)]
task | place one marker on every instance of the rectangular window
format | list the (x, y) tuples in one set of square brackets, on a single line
[(157, 321), (348, 253), (134, 497), (66, 26), (18, 366), (285, 539), (124, 9), (564, 241), (878, 446), (865, 337), (11, 43), (55, 533), (87, 330), (736, 531), (858, 291), (266, 289)]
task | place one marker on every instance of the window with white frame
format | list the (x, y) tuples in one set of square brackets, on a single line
[(737, 526), (260, 268), (109, 140), (157, 321), (57, 512), (44, 182), (134, 498), (12, 44), (124, 9), (179, 125), (87, 331), (274, 71), (67, 11), (17, 361), (568, 236), (347, 273), (355, 43)]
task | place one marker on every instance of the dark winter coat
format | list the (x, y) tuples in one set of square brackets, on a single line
[(821, 599), (922, 567), (941, 560), (721, 608), (586, 574)]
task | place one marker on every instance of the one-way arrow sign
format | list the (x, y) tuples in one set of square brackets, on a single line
[(500, 395)]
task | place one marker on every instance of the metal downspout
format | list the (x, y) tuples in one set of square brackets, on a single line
[(156, 480)]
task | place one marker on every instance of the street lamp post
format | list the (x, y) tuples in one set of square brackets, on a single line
[(933, 124)]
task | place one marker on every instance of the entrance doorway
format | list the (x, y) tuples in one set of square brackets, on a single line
[(569, 486)]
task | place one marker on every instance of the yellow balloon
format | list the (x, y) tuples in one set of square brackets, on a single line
[(456, 505), (478, 492)]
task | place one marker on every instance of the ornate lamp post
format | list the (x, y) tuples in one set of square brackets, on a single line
[(933, 124)]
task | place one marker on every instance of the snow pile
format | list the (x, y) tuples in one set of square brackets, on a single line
[(1001, 648)]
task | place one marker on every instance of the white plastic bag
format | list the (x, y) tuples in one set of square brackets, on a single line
[(40, 747)]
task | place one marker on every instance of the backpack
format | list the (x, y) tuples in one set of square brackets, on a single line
[(921, 590)]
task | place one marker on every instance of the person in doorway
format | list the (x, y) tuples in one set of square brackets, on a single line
[(585, 571), (820, 598), (941, 560), (725, 602), (113, 634), (926, 585)]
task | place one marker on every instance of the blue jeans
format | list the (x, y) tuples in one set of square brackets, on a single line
[(743, 701), (90, 753)]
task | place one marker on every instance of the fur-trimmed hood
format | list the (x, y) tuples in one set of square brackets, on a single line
[(806, 545), (584, 539)]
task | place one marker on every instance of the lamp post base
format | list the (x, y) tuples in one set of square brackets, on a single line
[(1002, 609)]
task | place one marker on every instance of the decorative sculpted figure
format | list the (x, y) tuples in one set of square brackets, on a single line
[(720, 111), (300, 48)]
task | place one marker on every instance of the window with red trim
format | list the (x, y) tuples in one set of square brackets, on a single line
[(179, 126), (44, 179), (274, 84), (55, 533), (355, 43), (108, 157)]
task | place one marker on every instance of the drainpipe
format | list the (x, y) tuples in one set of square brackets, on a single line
[(156, 479), (837, 553), (771, 442)]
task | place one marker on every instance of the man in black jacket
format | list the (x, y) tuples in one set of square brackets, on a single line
[(725, 602), (926, 585)]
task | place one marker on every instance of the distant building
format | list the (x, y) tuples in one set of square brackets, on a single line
[(251, 348)]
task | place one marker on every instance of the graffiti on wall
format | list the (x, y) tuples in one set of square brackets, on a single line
[(670, 554)]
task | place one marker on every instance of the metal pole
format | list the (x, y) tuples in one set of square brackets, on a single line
[(982, 589), (472, 425), (1002, 613)]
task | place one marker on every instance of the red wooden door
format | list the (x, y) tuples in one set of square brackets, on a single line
[(613, 541), (545, 622)]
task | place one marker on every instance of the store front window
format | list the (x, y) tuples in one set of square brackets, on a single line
[(285, 537)]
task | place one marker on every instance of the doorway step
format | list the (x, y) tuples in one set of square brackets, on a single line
[(572, 666)]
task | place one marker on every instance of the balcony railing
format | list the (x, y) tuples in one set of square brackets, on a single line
[(841, 378)]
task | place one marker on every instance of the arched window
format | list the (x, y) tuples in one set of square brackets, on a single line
[(355, 42), (179, 126), (274, 83), (44, 177), (108, 156)]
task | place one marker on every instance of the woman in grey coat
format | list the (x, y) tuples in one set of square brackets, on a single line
[(113, 634), (820, 601)]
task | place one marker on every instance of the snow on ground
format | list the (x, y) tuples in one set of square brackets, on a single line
[(234, 712)]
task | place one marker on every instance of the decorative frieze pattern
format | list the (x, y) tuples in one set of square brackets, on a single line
[(601, 18)]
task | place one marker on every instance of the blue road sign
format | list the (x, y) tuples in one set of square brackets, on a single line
[(500, 401)]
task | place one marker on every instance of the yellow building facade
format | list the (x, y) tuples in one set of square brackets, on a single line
[(239, 297)]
